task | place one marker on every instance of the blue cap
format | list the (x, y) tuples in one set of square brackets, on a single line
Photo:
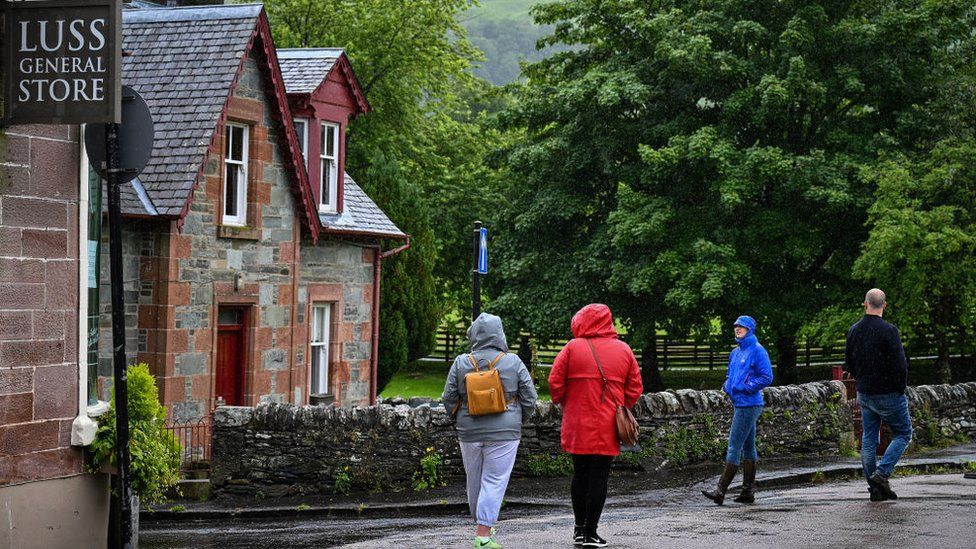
[(746, 322)]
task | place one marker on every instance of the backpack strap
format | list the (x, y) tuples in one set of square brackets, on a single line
[(473, 362), (495, 361)]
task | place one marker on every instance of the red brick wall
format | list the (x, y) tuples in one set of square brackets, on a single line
[(38, 303)]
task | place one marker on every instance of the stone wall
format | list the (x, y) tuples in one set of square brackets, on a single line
[(280, 449)]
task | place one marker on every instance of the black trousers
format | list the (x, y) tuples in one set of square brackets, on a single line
[(589, 489)]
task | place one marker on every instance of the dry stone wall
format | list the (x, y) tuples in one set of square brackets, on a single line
[(280, 449)]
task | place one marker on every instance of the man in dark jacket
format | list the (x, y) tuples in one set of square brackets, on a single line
[(876, 359)]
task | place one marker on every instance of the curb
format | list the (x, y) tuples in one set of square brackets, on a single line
[(445, 507)]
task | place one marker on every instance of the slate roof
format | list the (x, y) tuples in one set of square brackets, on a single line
[(360, 215), (183, 62), (303, 70)]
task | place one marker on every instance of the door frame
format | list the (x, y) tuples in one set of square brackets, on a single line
[(249, 320)]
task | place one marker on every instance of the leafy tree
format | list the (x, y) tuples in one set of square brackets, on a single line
[(689, 160), (922, 246), (416, 154)]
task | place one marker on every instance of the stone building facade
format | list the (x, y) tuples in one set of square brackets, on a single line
[(233, 308), (48, 499)]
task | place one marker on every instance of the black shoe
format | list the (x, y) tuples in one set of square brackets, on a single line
[(880, 483), (594, 541), (875, 494), (579, 535)]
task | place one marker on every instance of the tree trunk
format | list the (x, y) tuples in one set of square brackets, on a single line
[(650, 374), (786, 373), (942, 361), (525, 353)]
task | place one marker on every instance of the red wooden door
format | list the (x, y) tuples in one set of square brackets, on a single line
[(231, 349)]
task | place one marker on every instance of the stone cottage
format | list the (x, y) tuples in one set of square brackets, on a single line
[(252, 261)]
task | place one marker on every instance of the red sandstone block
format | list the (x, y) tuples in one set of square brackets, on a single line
[(34, 213), (10, 239), (17, 408), (48, 244), (49, 131), (40, 465), (148, 268), (177, 341), (21, 296), (18, 149), (25, 438), (50, 324), (62, 283), (203, 341), (21, 270), (15, 180), (31, 353), (51, 173), (56, 391), (178, 293), (16, 380), (14, 324)]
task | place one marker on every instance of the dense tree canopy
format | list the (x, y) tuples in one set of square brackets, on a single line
[(700, 159), (922, 247)]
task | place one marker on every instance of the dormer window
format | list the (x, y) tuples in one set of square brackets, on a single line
[(301, 129), (235, 175), (329, 168)]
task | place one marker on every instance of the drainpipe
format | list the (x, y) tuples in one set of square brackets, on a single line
[(377, 268)]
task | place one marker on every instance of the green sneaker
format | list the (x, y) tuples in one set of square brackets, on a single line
[(486, 543)]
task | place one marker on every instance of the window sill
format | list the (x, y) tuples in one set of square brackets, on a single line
[(317, 399), (240, 233), (99, 409)]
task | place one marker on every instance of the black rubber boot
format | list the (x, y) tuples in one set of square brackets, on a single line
[(748, 493), (718, 495)]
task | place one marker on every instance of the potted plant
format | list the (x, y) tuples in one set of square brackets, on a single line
[(155, 454)]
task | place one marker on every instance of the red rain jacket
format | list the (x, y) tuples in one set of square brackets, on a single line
[(575, 383)]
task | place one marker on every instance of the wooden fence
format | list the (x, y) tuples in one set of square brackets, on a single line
[(693, 353)]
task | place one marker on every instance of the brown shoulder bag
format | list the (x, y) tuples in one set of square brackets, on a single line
[(627, 428)]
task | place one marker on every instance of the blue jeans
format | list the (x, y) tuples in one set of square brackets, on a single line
[(742, 435), (892, 408)]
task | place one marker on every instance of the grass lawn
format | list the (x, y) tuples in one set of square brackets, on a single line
[(424, 379)]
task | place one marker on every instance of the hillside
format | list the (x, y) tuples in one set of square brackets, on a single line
[(504, 30)]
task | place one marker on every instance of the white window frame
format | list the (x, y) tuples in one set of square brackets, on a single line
[(302, 137), (240, 219), (328, 202), (319, 347)]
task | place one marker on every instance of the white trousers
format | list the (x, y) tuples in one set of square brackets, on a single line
[(488, 466)]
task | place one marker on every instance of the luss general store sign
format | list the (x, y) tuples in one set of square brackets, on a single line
[(62, 60)]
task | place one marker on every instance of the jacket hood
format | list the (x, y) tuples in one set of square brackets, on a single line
[(594, 320), (486, 333), (746, 322)]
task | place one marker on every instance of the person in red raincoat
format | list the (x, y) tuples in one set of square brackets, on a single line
[(589, 430)]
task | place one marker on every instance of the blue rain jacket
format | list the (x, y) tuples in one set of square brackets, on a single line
[(749, 368)]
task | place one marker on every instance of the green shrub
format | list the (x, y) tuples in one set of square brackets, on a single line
[(155, 453), (550, 465), (429, 476), (343, 484)]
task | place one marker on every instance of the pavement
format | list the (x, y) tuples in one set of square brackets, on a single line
[(644, 510)]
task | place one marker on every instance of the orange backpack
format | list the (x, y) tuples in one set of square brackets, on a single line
[(484, 388)]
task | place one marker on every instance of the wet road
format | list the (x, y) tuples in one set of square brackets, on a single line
[(934, 512)]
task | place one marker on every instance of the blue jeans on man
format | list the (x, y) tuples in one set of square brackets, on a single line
[(892, 408), (742, 435)]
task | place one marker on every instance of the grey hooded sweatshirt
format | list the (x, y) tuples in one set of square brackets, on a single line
[(487, 341)]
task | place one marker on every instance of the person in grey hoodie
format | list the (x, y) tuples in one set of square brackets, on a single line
[(489, 442)]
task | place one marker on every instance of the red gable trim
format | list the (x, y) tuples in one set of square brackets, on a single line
[(345, 67), (302, 188)]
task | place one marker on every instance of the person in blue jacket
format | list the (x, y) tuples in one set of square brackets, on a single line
[(749, 372)]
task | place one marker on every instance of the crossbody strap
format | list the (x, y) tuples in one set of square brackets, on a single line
[(596, 357)]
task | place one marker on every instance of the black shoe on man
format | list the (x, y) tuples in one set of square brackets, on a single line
[(880, 483), (594, 540), (579, 535)]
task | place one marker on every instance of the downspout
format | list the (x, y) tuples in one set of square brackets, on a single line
[(296, 239), (83, 427), (377, 268)]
